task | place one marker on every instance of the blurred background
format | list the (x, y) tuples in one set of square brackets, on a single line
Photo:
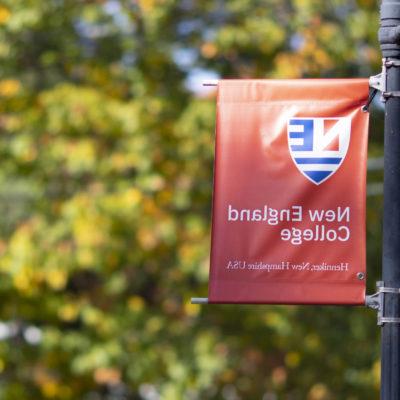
[(106, 157)]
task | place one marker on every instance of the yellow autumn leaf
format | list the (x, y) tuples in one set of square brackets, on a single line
[(147, 238), (146, 5), (107, 376), (85, 256), (288, 66), (56, 278), (209, 50), (88, 230), (23, 280), (5, 15), (68, 312), (9, 87), (292, 359), (191, 310), (376, 373), (50, 389), (319, 391), (136, 303)]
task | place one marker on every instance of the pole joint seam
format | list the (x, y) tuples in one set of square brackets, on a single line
[(391, 63), (387, 95)]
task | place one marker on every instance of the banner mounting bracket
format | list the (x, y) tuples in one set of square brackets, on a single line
[(210, 82), (379, 82), (199, 300), (376, 301)]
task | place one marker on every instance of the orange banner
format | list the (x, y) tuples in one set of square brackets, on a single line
[(289, 192)]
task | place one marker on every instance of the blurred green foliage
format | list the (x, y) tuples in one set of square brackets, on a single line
[(106, 153)]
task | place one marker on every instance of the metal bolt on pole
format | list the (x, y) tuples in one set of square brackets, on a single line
[(389, 38)]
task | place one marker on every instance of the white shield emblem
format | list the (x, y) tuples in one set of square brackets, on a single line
[(318, 146)]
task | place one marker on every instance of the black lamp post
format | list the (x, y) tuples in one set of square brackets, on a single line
[(389, 38)]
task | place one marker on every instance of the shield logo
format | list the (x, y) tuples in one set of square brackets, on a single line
[(318, 146)]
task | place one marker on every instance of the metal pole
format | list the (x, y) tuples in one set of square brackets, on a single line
[(389, 38)]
